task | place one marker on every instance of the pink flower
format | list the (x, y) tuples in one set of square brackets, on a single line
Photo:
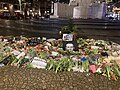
[(93, 68)]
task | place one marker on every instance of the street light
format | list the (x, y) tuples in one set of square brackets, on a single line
[(5, 8)]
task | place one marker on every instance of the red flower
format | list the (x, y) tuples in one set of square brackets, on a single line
[(38, 45)]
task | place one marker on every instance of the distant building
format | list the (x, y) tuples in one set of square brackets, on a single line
[(42, 5)]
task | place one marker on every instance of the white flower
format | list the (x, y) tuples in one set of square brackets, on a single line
[(15, 52), (99, 70), (20, 55), (78, 69), (48, 44), (54, 53)]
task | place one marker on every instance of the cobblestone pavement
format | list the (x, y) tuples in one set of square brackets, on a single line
[(12, 78)]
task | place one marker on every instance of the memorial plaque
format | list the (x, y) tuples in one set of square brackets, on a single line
[(67, 37), (69, 43)]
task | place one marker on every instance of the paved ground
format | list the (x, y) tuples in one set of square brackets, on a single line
[(12, 78)]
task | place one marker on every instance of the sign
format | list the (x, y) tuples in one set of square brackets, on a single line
[(67, 37), (38, 63)]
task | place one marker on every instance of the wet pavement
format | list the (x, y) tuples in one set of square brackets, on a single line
[(15, 28), (12, 78), (97, 29)]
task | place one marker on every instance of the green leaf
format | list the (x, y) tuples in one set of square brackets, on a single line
[(43, 55), (57, 68), (116, 70), (51, 63), (14, 60), (85, 65), (24, 60), (29, 65), (70, 65), (108, 69), (95, 51)]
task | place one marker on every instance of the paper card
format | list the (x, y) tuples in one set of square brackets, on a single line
[(38, 63), (67, 37)]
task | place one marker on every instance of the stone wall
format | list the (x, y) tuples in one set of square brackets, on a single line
[(80, 9), (81, 2), (94, 10), (63, 10), (80, 12), (97, 10)]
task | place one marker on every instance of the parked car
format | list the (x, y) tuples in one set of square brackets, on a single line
[(5, 14)]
